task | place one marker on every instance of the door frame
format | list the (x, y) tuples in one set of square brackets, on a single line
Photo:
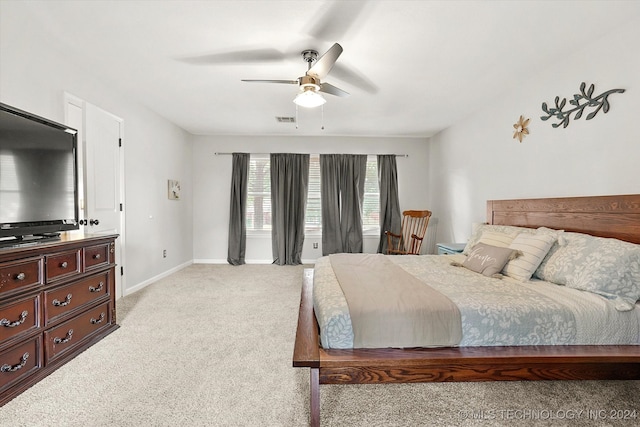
[(77, 102)]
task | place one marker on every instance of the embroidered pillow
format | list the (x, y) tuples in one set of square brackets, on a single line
[(534, 248), (487, 260)]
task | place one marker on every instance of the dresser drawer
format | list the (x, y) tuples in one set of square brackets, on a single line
[(72, 333), (65, 299), (96, 256), (19, 317), (20, 361), (19, 276), (62, 264)]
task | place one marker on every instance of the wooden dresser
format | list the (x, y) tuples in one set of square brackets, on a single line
[(56, 300)]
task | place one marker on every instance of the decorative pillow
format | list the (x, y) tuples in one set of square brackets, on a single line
[(534, 248), (559, 234), (488, 260), (478, 229), (560, 262), (607, 267), (495, 238)]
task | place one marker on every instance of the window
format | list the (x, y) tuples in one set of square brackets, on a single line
[(313, 214), (259, 196), (371, 202), (259, 193)]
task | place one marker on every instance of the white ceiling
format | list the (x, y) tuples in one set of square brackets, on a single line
[(422, 65)]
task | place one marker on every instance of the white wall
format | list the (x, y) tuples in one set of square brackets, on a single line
[(477, 159), (453, 174), (35, 71), (212, 182)]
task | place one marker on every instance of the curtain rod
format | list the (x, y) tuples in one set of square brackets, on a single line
[(264, 154)]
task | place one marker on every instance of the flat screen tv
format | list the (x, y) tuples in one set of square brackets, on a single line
[(38, 177)]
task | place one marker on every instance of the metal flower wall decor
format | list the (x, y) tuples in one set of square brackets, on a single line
[(521, 128), (580, 101)]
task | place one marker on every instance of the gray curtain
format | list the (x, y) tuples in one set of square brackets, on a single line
[(341, 191), (289, 183), (237, 211), (390, 215)]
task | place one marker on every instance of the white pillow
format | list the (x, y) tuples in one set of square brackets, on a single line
[(534, 248), (495, 238), (477, 230)]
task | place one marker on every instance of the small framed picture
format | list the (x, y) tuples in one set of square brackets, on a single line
[(174, 189)]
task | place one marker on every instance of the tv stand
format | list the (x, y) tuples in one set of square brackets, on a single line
[(57, 298)]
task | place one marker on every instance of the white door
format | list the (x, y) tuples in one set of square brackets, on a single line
[(101, 147), (102, 159)]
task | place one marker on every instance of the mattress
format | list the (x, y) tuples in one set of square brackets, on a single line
[(494, 312)]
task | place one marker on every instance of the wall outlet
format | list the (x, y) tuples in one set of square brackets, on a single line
[(164, 253), (315, 245)]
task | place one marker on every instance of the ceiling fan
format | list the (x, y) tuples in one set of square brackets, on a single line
[(332, 23), (310, 84)]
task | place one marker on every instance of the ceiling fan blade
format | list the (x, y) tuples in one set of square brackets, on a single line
[(324, 64), (291, 82), (237, 57), (353, 77), (332, 90), (337, 19)]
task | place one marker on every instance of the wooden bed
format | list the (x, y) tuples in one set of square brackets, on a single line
[(604, 216)]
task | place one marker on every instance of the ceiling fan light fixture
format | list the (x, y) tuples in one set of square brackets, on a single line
[(309, 96)]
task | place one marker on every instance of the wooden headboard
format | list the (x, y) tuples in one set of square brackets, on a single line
[(604, 216)]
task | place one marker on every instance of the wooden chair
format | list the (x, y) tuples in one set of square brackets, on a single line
[(413, 229)]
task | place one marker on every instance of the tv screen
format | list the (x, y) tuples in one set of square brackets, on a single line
[(38, 175)]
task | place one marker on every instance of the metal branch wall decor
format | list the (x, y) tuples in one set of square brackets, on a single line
[(600, 102)]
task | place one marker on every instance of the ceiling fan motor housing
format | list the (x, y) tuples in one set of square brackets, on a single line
[(309, 82)]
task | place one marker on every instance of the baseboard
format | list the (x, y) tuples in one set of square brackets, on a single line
[(248, 261), (224, 261), (210, 261), (154, 279)]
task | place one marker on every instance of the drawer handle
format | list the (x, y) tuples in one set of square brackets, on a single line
[(66, 302), (96, 256), (65, 264), (98, 289), (64, 340), (21, 276), (23, 316), (99, 320), (9, 368)]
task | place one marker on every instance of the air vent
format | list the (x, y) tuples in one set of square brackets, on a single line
[(286, 119)]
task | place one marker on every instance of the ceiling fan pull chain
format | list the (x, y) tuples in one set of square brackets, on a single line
[(296, 116), (322, 106)]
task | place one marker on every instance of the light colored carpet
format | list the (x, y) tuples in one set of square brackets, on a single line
[(212, 344)]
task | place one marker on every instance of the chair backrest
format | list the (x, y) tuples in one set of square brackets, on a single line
[(414, 223)]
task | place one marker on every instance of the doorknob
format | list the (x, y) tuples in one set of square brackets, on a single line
[(94, 222)]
